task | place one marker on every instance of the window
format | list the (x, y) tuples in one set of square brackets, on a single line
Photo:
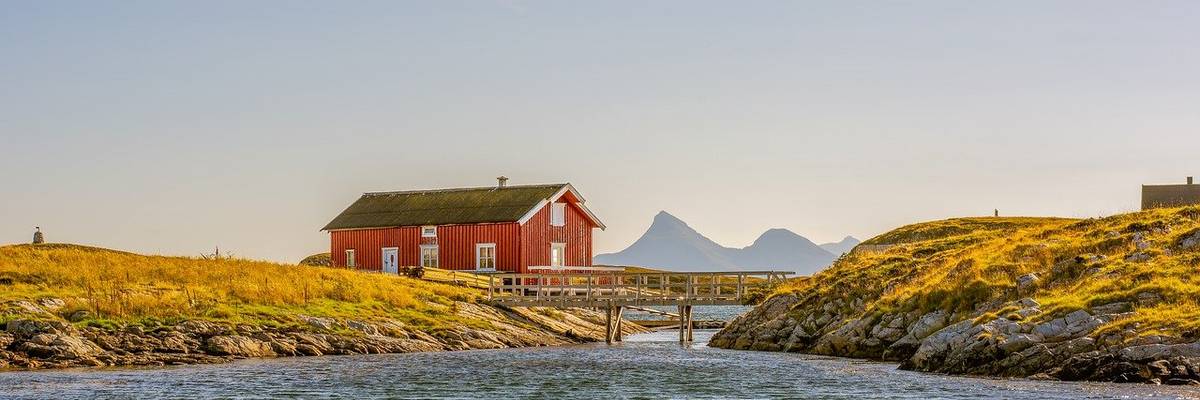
[(429, 256), (558, 214), (350, 258), (428, 231), (485, 256), (558, 254)]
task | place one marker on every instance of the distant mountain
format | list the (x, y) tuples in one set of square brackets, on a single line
[(844, 246), (671, 244)]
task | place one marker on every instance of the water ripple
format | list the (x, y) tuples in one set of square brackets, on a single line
[(647, 366)]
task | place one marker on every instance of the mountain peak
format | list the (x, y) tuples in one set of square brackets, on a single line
[(671, 244), (843, 246), (664, 216), (664, 221)]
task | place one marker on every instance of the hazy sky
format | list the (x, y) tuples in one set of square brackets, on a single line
[(171, 127)]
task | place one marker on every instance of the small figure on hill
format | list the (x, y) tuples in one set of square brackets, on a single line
[(996, 212), (37, 236)]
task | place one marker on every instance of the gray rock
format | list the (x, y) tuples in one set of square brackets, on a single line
[(1028, 303), (1112, 308), (237, 345), (1025, 313), (73, 347), (1148, 298), (51, 304), (56, 346), (1138, 256), (201, 328), (320, 323), (29, 328), (80, 315), (928, 324), (1190, 241), (1160, 351), (1027, 283), (366, 328), (1019, 342), (1052, 330), (1139, 241)]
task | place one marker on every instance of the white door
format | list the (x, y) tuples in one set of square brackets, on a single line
[(390, 262)]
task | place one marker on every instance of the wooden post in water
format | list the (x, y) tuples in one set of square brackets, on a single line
[(617, 331), (608, 314), (689, 323), (682, 324)]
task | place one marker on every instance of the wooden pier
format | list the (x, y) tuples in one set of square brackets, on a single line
[(614, 291)]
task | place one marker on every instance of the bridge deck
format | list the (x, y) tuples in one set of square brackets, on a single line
[(607, 289)]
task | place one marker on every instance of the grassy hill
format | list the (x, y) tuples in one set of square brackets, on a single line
[(1099, 298), (957, 264), (66, 305), (122, 287)]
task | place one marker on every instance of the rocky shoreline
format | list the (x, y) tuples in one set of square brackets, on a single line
[(1070, 347), (44, 340)]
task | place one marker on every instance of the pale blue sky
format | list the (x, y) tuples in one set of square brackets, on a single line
[(171, 127)]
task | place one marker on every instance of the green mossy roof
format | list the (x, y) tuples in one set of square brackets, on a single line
[(442, 207)]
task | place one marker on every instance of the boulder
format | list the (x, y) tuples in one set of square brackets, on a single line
[(366, 328), (1019, 342), (73, 347), (1159, 351), (51, 304), (239, 346), (1139, 256), (55, 346), (1190, 241), (28, 328), (175, 342), (201, 328), (320, 323), (1112, 308), (79, 315), (928, 324), (1027, 283), (1140, 242)]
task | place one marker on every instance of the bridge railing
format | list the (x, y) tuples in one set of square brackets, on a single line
[(592, 289)]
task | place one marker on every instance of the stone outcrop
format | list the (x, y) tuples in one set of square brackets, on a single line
[(42, 342), (1021, 343)]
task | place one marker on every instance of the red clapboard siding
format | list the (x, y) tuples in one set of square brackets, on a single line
[(368, 246), (456, 245), (537, 234)]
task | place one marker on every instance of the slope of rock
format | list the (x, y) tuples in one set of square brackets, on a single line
[(1110, 299)]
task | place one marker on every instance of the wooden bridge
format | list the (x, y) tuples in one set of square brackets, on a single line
[(614, 291)]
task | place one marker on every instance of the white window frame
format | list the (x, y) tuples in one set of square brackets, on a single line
[(562, 253), (429, 227), (481, 246), (436, 261), (351, 262), (558, 210)]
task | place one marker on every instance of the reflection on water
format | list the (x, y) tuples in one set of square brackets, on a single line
[(644, 366)]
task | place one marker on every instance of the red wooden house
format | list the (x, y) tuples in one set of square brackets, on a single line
[(500, 228)]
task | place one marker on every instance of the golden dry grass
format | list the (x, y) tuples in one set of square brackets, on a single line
[(957, 264), (122, 286)]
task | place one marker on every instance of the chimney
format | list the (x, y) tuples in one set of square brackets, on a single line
[(501, 181), (37, 236), (1189, 180)]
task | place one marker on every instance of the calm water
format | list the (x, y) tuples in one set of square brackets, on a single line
[(645, 366)]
